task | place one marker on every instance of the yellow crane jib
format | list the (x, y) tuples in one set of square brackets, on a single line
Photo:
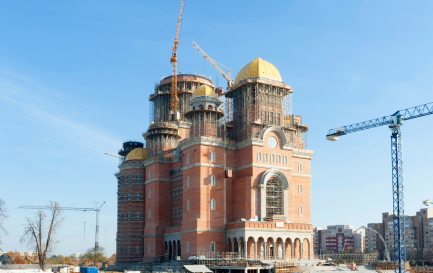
[(173, 61)]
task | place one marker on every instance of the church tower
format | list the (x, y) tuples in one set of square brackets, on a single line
[(205, 113)]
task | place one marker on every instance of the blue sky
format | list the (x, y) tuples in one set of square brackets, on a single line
[(75, 77)]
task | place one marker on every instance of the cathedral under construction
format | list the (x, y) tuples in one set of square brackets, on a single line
[(228, 174)]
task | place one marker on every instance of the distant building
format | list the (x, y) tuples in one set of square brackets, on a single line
[(411, 230), (425, 221), (372, 241), (338, 239), (418, 235)]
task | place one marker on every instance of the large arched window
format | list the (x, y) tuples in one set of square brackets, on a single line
[(274, 197), (212, 180)]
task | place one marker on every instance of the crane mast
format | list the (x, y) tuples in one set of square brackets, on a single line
[(394, 122), (215, 65), (173, 61), (96, 209)]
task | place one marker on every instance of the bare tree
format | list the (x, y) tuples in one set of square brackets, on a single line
[(3, 216), (39, 232)]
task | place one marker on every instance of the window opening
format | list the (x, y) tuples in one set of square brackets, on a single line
[(274, 197)]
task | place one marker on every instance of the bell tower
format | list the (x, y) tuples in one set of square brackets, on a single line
[(204, 113)]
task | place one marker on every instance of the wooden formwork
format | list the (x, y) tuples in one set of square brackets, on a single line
[(422, 269), (286, 267)]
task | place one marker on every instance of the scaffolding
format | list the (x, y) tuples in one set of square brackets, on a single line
[(358, 258), (274, 198)]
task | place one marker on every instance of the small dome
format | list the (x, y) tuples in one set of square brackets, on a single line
[(204, 90), (259, 68), (137, 154)]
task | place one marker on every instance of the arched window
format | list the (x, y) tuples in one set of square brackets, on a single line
[(265, 157), (212, 204), (272, 158), (212, 247), (188, 205), (301, 210), (300, 189), (188, 182), (279, 159), (212, 157), (212, 180), (274, 197), (138, 196), (300, 167), (259, 157)]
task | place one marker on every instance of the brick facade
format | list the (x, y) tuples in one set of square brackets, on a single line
[(208, 183)]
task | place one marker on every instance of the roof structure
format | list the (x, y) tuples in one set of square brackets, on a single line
[(259, 68), (137, 154), (204, 90)]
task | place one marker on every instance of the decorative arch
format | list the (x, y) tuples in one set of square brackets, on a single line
[(305, 249), (229, 245), (289, 249), (297, 249), (179, 248), (170, 251), (241, 246), (250, 253), (272, 175), (174, 250), (235, 245), (260, 248), (270, 249), (275, 130), (279, 249)]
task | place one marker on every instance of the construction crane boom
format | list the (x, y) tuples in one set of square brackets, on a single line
[(394, 122), (96, 209), (397, 117), (215, 65), (173, 61), (112, 155)]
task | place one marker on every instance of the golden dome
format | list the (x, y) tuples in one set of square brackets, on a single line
[(137, 154), (259, 68), (204, 90)]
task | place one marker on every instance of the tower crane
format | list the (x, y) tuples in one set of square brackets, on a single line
[(394, 122), (173, 61), (215, 65), (96, 209)]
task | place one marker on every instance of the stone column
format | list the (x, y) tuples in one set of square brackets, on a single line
[(233, 246), (245, 249), (283, 250)]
